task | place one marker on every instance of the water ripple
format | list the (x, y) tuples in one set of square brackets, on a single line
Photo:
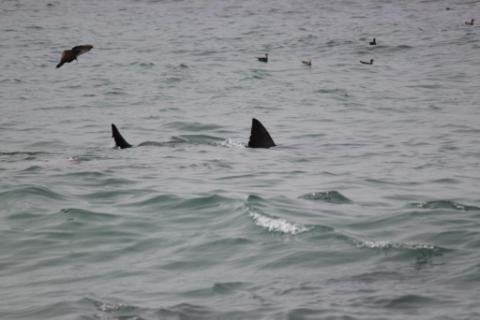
[(446, 204), (328, 196)]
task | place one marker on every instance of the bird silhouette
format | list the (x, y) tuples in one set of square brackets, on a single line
[(307, 62), (366, 62), (70, 55), (263, 59)]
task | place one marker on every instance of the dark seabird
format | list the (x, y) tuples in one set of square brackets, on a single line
[(470, 23), (307, 62), (263, 59), (366, 62), (70, 55), (373, 42)]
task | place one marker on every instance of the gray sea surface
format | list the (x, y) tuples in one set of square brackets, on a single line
[(368, 208)]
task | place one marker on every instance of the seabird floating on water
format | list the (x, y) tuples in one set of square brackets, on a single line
[(373, 42), (470, 23), (366, 62), (263, 59), (307, 62)]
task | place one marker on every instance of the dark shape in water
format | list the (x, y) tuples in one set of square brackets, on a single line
[(366, 62), (121, 143), (471, 23), (307, 62), (259, 136), (263, 59), (119, 140), (70, 55), (373, 42)]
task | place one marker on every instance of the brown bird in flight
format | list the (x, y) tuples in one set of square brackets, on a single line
[(70, 55)]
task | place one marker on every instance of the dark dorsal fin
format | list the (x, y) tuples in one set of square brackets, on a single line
[(119, 141), (259, 136)]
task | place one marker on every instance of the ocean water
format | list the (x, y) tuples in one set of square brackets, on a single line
[(368, 208)]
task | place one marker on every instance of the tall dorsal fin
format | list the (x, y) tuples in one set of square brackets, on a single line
[(259, 136), (119, 140)]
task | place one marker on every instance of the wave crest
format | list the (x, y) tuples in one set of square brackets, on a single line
[(393, 245), (445, 204), (328, 196), (277, 224)]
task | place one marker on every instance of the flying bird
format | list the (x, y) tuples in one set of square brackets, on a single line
[(70, 55)]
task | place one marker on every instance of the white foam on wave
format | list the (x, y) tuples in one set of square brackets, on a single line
[(277, 224), (392, 245), (229, 143), (456, 205), (110, 307)]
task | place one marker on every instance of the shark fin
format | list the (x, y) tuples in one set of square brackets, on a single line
[(259, 136), (119, 140)]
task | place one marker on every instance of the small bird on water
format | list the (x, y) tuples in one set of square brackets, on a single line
[(263, 59), (307, 62), (366, 62), (70, 55), (470, 23), (373, 42)]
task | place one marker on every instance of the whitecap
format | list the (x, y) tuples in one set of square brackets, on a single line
[(277, 224), (393, 245), (229, 143)]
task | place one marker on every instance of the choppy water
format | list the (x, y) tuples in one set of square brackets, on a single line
[(369, 208)]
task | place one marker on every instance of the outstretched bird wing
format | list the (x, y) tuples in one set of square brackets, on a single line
[(78, 50)]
